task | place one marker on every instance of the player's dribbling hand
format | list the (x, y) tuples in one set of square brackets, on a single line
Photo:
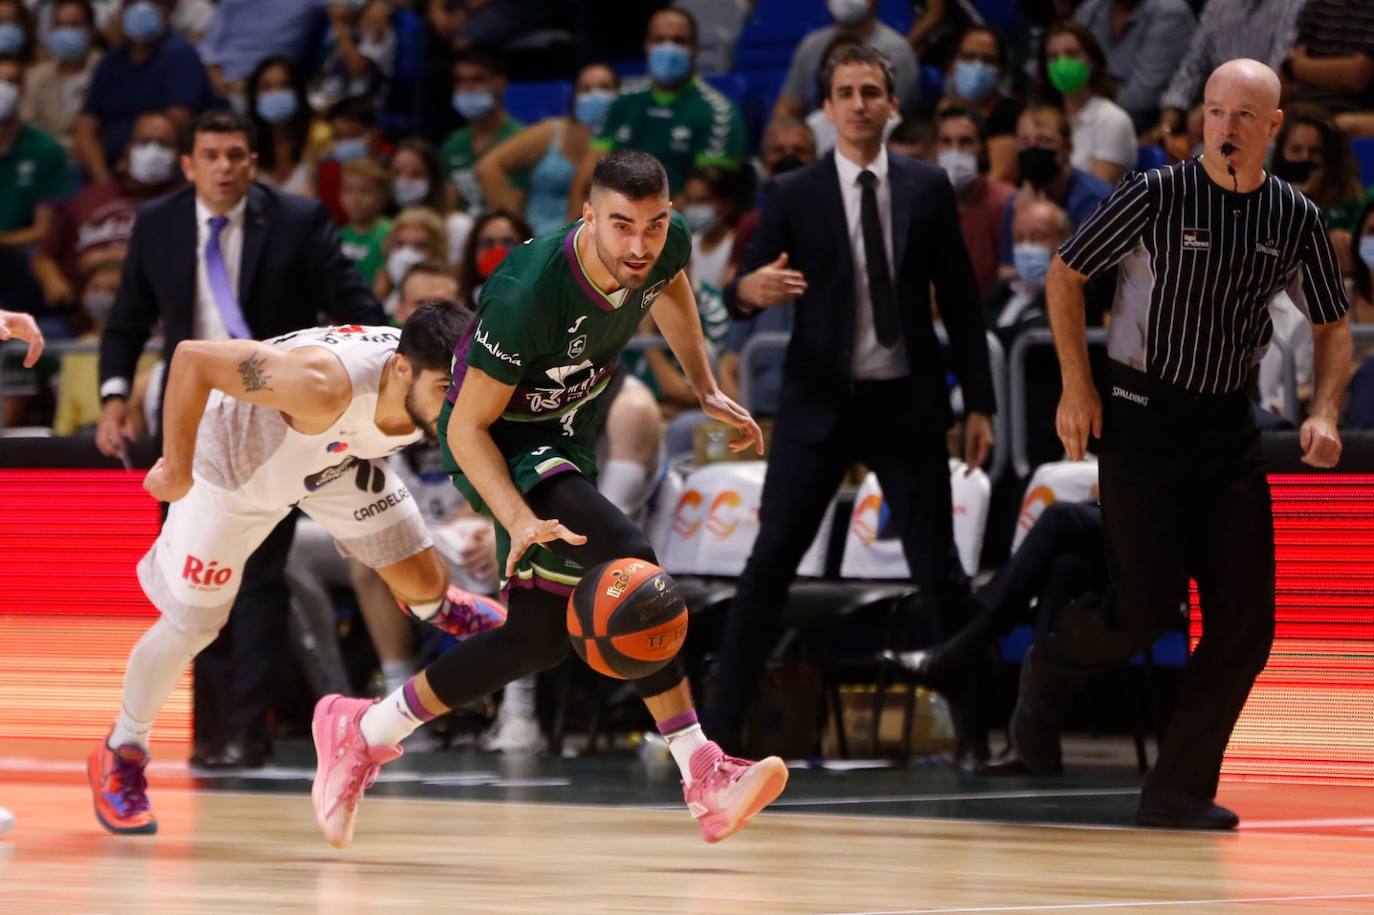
[(536, 530), (1080, 414), (1321, 442), (719, 407), (165, 486), (15, 325)]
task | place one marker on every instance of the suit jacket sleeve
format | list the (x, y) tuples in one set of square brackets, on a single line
[(772, 236), (339, 289), (956, 289), (134, 314)]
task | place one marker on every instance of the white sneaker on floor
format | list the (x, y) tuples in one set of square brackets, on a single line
[(6, 820), (513, 734)]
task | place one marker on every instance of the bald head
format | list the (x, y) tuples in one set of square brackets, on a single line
[(1245, 78), (1040, 223), (1240, 115)]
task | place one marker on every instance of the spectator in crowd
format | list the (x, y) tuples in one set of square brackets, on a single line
[(973, 82), (78, 381), (1143, 41), (963, 154), (362, 52), (55, 87), (16, 30), (34, 181), (820, 126), (417, 234), (1073, 73), (365, 193), (479, 85), (274, 97), (493, 23), (152, 71), (1332, 64), (354, 135), (244, 32), (858, 18), (96, 225), (1045, 143), (1262, 30), (1314, 155), (191, 19), (788, 144), (228, 257), (546, 155), (677, 117), (1361, 253), (765, 366), (418, 179), (427, 281), (916, 138), (491, 239)]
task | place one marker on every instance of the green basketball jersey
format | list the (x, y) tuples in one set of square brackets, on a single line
[(543, 326)]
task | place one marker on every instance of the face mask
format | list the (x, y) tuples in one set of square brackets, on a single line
[(1032, 261), (699, 216), (669, 64), (142, 22), (848, 12), (787, 164), (490, 260), (97, 304), (277, 106), (974, 79), (348, 150), (961, 167), (1367, 250), (409, 191), (1294, 171), (9, 100), (400, 261), (591, 107), (1068, 74), (151, 163), (1038, 165), (474, 104), (11, 38), (68, 43)]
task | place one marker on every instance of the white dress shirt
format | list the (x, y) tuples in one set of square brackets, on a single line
[(207, 323), (871, 360)]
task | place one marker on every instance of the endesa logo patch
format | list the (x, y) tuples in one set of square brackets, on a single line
[(336, 447), (1197, 240)]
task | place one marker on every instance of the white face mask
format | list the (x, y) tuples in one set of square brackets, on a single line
[(961, 167), (9, 100), (409, 191), (848, 12), (151, 163), (401, 260)]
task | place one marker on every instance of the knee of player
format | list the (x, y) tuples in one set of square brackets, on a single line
[(634, 427), (629, 542), (423, 580), (546, 648)]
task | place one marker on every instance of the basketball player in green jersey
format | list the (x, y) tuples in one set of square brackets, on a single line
[(519, 443)]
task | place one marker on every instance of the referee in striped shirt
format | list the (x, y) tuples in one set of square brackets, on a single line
[(1202, 247)]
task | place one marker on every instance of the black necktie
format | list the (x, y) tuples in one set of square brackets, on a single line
[(875, 258)]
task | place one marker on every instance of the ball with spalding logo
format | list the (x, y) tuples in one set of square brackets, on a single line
[(627, 618)]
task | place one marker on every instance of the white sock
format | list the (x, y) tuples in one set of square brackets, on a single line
[(622, 483), (396, 673), (682, 744), (517, 699), (155, 665), (391, 721)]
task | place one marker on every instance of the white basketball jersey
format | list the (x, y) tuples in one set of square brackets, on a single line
[(253, 452)]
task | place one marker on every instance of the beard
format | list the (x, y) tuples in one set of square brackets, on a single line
[(413, 411), (616, 267)]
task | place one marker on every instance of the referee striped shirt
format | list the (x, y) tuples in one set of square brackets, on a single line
[(1199, 265)]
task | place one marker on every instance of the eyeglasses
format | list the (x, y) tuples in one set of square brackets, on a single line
[(506, 242)]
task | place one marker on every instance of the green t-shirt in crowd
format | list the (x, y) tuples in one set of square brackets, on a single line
[(461, 163), (33, 171), (365, 248), (692, 126)]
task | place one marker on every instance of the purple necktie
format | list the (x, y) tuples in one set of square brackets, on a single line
[(225, 300)]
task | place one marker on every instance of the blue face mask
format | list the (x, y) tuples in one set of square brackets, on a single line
[(1367, 250), (11, 38), (276, 106), (669, 64), (68, 43), (473, 104), (974, 79), (142, 22), (1032, 262), (591, 107), (348, 150)]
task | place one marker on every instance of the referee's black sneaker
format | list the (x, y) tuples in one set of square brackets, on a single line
[(1166, 808)]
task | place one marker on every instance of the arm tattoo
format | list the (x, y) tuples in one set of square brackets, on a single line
[(254, 378)]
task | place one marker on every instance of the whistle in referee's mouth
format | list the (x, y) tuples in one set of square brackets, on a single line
[(1228, 150)]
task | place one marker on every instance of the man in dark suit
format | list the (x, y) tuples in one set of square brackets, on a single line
[(858, 238), (228, 257)]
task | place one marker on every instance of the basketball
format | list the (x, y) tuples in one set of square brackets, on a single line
[(627, 618)]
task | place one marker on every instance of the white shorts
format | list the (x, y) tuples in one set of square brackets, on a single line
[(194, 569)]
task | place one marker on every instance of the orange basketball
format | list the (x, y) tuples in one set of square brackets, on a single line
[(627, 618)]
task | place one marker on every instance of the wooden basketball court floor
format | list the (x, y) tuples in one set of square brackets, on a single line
[(467, 832)]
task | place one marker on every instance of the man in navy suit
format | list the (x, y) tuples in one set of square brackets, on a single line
[(858, 239), (228, 257)]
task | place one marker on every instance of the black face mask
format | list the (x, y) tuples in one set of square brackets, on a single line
[(1038, 165), (786, 164), (1294, 171)]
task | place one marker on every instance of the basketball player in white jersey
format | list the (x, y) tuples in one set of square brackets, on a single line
[(251, 431)]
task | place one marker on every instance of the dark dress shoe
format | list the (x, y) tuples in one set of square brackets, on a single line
[(931, 667), (234, 754), (1166, 808), (1011, 765)]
